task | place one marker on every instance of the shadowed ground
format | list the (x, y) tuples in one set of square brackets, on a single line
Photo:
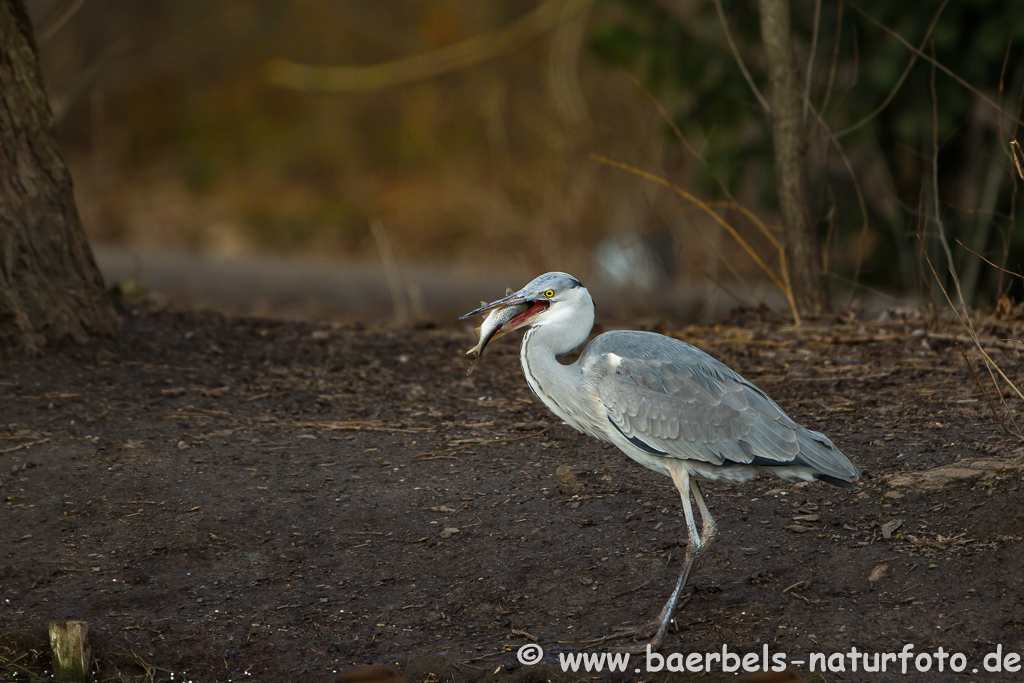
[(253, 499)]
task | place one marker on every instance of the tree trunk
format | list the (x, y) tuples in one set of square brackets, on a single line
[(50, 288), (789, 139)]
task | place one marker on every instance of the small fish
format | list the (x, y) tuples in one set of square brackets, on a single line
[(495, 324)]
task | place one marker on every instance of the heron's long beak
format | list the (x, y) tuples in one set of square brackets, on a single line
[(510, 300)]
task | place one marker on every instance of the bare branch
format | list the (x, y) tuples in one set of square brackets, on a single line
[(994, 265), (61, 20), (856, 187), (810, 58), (739, 58), (901, 79), (835, 58), (782, 282), (962, 313), (419, 67), (984, 98), (939, 223), (992, 407)]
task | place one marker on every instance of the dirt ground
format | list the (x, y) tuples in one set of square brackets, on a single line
[(233, 499)]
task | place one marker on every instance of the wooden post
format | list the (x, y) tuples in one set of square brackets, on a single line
[(72, 656)]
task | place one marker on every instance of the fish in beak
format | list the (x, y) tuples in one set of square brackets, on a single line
[(506, 315)]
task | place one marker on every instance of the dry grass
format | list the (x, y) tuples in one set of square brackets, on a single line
[(25, 656)]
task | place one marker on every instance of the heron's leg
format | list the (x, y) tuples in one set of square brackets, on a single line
[(695, 547), (655, 629), (709, 530)]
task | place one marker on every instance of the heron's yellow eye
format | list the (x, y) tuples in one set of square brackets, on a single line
[(550, 293)]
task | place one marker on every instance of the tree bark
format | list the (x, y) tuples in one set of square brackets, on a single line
[(789, 139), (50, 287)]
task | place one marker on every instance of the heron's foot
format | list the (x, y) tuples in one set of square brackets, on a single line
[(641, 643), (650, 633), (643, 631)]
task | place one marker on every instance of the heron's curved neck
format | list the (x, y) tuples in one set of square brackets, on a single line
[(557, 385)]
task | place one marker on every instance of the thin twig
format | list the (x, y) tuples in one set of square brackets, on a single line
[(61, 20), (1014, 148), (901, 79), (628, 591), (939, 223), (340, 426), (732, 203), (523, 634), (747, 213), (782, 283), (992, 407), (984, 98), (856, 189), (391, 272), (969, 326), (465, 443), (670, 122), (811, 56), (30, 444), (739, 59), (994, 265), (455, 57), (961, 313), (835, 58)]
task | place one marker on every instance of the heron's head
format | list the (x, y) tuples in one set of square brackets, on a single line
[(554, 298)]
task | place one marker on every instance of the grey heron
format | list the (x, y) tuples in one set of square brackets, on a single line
[(666, 404)]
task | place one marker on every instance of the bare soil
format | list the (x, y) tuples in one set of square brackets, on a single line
[(232, 499)]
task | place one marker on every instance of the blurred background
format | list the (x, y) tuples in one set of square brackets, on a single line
[(407, 158)]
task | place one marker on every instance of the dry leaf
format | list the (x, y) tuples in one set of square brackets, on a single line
[(890, 527), (806, 518)]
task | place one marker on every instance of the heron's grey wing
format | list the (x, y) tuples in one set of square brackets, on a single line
[(677, 401)]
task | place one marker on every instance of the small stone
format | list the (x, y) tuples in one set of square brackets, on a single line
[(567, 483)]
